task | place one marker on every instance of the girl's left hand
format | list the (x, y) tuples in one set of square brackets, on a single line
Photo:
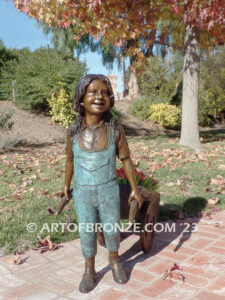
[(135, 195)]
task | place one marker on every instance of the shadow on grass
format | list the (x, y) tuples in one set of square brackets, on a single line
[(208, 136), (136, 130), (191, 207), (22, 146), (212, 135), (183, 230)]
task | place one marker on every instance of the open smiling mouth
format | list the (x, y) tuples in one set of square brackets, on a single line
[(99, 103)]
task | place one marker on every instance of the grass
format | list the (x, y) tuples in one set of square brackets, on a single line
[(31, 178), (20, 207), (184, 176)]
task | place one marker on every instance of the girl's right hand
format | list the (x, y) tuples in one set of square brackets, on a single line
[(65, 192)]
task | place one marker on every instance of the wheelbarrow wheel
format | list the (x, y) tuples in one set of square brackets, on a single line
[(148, 220)]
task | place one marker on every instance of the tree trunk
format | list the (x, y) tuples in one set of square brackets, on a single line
[(124, 75), (133, 85), (189, 126)]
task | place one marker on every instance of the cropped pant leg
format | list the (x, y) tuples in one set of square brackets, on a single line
[(87, 214), (109, 211), (94, 203)]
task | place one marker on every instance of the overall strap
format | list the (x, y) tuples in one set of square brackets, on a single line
[(111, 135)]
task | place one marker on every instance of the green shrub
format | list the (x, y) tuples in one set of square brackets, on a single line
[(212, 86), (160, 82), (211, 107), (140, 108), (5, 123), (37, 75), (116, 114), (165, 114), (6, 57), (61, 109), (161, 79)]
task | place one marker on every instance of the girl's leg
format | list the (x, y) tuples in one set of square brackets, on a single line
[(109, 210), (89, 277), (87, 217), (119, 274)]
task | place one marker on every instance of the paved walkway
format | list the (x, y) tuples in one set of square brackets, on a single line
[(56, 275)]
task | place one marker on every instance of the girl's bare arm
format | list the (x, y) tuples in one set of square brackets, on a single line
[(129, 169), (123, 153), (69, 166)]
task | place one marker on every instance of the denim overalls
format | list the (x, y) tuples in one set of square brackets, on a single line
[(96, 195)]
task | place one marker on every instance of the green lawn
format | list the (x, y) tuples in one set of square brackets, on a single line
[(31, 177), (183, 175)]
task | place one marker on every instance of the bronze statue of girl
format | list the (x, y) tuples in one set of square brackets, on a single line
[(93, 142)]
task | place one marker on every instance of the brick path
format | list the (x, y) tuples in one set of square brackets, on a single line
[(56, 275)]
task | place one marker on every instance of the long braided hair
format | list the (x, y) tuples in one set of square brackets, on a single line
[(78, 99)]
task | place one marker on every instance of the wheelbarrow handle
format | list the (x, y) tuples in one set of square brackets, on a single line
[(133, 210), (64, 200)]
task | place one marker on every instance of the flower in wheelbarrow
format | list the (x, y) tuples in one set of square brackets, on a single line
[(141, 179), (143, 176), (123, 172), (146, 181), (121, 176), (154, 182), (120, 172)]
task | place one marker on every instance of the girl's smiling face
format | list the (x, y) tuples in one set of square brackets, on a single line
[(96, 99)]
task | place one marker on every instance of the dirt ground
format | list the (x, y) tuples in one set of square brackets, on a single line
[(29, 127), (133, 126)]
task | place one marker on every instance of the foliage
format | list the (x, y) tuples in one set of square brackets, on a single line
[(87, 19), (140, 108), (61, 108), (5, 123), (162, 82), (61, 38), (40, 73), (165, 114), (6, 57), (136, 26), (116, 114), (161, 78), (120, 24), (141, 179), (212, 87), (63, 41)]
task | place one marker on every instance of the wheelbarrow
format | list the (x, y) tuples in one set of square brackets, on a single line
[(146, 216)]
